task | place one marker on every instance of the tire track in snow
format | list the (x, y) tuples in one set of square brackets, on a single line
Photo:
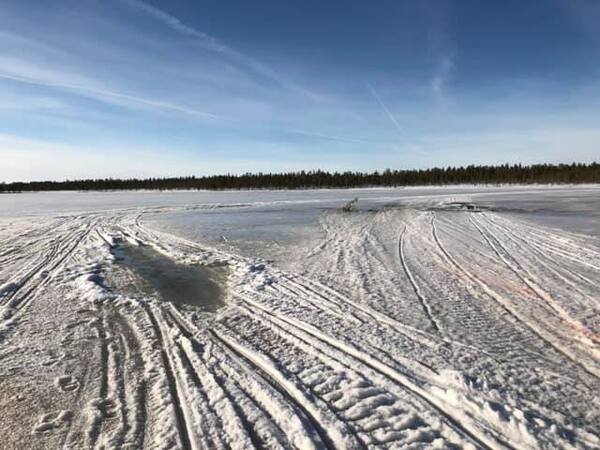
[(271, 424), (316, 395), (544, 239), (587, 305), (299, 292), (535, 247), (134, 385), (94, 428), (184, 433), (465, 427), (356, 310), (111, 422), (201, 371), (239, 376), (505, 304), (369, 402), (20, 284), (527, 279), (210, 426), (113, 405), (280, 384), (207, 436), (41, 275), (568, 240), (424, 304), (120, 403), (364, 314)]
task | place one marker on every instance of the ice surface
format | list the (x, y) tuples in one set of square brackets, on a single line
[(575, 210), (414, 322), (277, 230), (48, 203)]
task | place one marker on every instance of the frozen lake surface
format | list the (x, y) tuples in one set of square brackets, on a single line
[(274, 230), (456, 317)]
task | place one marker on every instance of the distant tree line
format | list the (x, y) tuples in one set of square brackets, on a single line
[(502, 174)]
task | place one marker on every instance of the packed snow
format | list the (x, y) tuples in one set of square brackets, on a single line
[(444, 317)]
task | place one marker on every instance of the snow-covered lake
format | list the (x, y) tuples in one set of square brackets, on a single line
[(264, 223), (454, 317)]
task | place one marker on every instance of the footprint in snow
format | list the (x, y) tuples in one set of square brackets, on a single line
[(67, 383), (54, 358), (49, 362), (51, 421), (107, 407)]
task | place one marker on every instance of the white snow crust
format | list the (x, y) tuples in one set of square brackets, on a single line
[(427, 319)]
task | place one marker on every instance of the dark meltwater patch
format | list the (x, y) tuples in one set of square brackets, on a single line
[(197, 286)]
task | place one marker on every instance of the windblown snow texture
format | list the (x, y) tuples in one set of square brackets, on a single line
[(424, 325)]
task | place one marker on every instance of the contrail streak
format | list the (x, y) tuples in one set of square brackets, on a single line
[(213, 44), (101, 94), (385, 108)]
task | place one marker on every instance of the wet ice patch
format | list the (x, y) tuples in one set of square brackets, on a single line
[(197, 286), (459, 206)]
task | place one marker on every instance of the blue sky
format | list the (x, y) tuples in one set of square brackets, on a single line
[(162, 88)]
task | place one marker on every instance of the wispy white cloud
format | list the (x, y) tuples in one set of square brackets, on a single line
[(30, 103), (210, 107), (213, 44), (440, 44), (441, 75), (383, 106), (330, 137), (173, 22), (30, 73)]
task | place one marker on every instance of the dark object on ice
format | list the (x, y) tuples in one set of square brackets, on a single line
[(351, 206), (257, 267), (461, 206)]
